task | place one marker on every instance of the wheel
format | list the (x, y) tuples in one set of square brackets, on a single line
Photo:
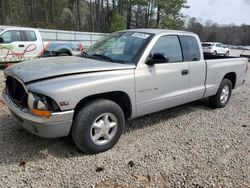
[(227, 53), (215, 53), (98, 126), (222, 96), (62, 54)]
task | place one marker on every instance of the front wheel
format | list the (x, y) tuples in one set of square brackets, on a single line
[(227, 53), (98, 126), (223, 94)]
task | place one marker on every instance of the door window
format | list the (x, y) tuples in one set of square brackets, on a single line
[(170, 47), (190, 47), (11, 36), (31, 36)]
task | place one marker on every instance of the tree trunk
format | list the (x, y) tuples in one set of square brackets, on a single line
[(113, 1), (78, 15), (11, 14), (33, 12), (92, 17), (157, 25), (53, 12), (129, 9), (106, 16), (46, 11), (3, 12), (137, 17)]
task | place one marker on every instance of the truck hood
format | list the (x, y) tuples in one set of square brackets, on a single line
[(58, 66)]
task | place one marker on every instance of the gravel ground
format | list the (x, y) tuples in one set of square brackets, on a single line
[(188, 146)]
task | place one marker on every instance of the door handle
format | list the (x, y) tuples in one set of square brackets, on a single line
[(184, 72), (21, 45)]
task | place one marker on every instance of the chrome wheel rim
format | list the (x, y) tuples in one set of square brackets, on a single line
[(103, 129), (224, 94)]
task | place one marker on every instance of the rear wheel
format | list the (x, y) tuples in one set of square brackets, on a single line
[(98, 126), (215, 53), (222, 96), (227, 53)]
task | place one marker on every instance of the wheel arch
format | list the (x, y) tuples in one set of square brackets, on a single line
[(232, 77), (119, 97), (63, 50)]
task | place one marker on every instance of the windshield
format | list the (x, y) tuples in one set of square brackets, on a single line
[(120, 47)]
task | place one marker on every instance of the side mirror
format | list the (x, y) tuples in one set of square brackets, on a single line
[(157, 58), (1, 40)]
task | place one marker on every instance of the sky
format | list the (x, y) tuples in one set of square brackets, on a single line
[(220, 11)]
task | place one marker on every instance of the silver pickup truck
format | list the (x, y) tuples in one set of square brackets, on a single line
[(126, 75)]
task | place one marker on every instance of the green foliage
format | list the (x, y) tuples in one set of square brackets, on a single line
[(171, 17), (92, 15), (171, 23), (212, 37), (66, 19), (116, 22)]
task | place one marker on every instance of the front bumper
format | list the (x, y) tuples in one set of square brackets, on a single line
[(58, 125)]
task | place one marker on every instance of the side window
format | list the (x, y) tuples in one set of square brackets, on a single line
[(218, 45), (169, 46), (11, 36), (190, 48), (31, 36)]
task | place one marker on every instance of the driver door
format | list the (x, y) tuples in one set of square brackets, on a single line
[(163, 85)]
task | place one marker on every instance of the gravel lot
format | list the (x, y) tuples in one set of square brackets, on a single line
[(188, 146)]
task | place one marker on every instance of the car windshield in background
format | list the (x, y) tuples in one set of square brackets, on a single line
[(206, 44), (120, 47)]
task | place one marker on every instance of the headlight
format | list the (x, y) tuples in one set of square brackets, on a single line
[(39, 105)]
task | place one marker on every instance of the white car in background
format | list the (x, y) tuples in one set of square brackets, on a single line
[(215, 48)]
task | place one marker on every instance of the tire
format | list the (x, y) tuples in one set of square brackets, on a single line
[(227, 53), (215, 53), (62, 54), (85, 133), (218, 101)]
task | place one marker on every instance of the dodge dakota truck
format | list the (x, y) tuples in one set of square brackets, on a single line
[(128, 74)]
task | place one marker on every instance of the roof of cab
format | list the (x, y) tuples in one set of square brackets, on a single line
[(158, 31), (16, 27), (211, 43)]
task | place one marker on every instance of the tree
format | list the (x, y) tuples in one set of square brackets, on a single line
[(92, 15), (168, 14), (116, 22), (66, 20)]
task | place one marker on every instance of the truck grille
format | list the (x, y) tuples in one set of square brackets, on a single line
[(16, 92)]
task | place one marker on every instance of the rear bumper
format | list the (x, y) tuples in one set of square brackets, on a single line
[(207, 51), (58, 125)]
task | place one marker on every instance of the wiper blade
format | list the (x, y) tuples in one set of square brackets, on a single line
[(102, 57)]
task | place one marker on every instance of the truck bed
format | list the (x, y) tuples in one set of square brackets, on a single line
[(218, 67), (210, 57)]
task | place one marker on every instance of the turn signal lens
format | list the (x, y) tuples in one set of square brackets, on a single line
[(41, 113)]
